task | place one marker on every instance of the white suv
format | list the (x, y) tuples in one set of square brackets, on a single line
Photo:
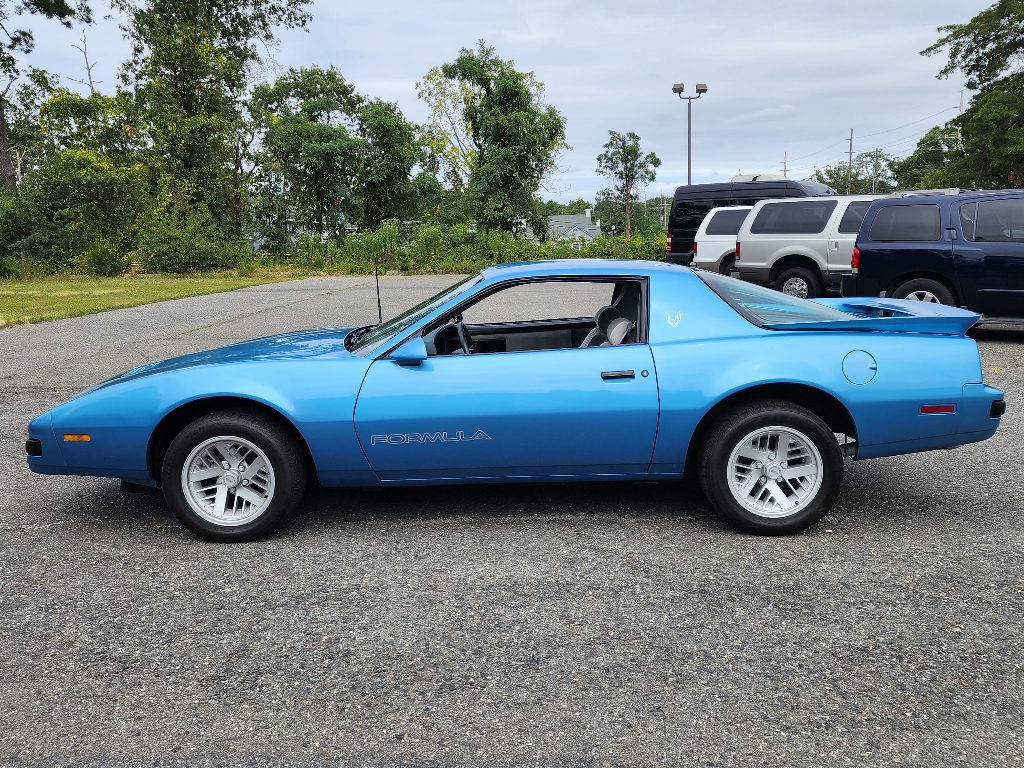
[(714, 246), (801, 247)]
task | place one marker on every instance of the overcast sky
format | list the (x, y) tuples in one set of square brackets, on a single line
[(783, 76)]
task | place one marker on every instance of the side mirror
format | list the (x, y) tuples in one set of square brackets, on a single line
[(412, 352)]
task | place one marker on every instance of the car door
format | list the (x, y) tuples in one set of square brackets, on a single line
[(530, 413), (989, 258), (843, 236)]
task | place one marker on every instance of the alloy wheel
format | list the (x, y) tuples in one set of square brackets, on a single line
[(775, 472), (228, 480)]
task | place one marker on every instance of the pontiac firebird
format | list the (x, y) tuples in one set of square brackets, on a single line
[(653, 371)]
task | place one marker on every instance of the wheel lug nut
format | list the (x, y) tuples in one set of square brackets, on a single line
[(245, 482), (225, 465), (759, 465)]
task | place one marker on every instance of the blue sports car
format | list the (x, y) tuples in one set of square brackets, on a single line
[(560, 370)]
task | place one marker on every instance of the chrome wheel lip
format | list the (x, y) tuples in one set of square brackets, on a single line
[(233, 495), (926, 296), (797, 287), (775, 448)]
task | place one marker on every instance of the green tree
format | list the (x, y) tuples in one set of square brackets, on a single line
[(629, 170), (555, 208), (922, 168), (22, 41), (989, 50), (386, 153), (870, 172), (516, 141), (189, 68), (306, 142)]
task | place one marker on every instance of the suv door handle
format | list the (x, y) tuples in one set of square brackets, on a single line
[(606, 375)]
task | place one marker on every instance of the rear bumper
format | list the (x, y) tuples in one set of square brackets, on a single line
[(754, 274), (679, 258), (848, 284)]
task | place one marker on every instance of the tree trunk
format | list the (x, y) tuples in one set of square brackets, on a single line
[(629, 213), (7, 175)]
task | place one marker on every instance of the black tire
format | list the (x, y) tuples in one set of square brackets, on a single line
[(802, 282), (923, 289), (729, 434), (270, 436), (725, 268)]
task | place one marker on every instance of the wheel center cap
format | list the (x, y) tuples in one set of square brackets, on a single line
[(231, 478), (773, 471)]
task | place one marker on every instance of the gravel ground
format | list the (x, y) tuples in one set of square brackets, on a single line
[(545, 625)]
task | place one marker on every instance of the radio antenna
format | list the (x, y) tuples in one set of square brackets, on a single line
[(376, 279)]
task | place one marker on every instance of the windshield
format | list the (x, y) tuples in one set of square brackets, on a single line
[(374, 337), (763, 306)]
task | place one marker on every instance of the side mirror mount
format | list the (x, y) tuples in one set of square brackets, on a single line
[(412, 352)]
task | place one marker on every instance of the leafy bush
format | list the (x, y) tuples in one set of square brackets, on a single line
[(9, 269), (184, 243), (103, 260)]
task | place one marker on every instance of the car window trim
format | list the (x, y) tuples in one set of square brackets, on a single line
[(642, 315)]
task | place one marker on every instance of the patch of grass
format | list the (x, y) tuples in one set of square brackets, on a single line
[(52, 298)]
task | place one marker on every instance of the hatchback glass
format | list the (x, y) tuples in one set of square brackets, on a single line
[(764, 306)]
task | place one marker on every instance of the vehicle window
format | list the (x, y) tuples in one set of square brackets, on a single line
[(726, 222), (763, 305), (1000, 221), (540, 301), (804, 218), (968, 215), (853, 217), (912, 223), (377, 336), (542, 315)]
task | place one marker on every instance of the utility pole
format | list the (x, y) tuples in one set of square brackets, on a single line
[(849, 166), (785, 159), (959, 131), (874, 179)]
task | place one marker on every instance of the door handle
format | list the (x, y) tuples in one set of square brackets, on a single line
[(607, 375)]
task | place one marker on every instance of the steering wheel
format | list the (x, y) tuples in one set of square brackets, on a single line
[(465, 340)]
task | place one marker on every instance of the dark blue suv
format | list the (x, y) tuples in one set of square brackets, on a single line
[(960, 248)]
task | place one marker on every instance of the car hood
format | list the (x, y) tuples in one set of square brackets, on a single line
[(297, 345)]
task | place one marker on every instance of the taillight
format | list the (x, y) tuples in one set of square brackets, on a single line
[(668, 242), (695, 249), (855, 260), (737, 250)]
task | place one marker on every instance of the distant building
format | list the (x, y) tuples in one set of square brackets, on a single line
[(575, 228)]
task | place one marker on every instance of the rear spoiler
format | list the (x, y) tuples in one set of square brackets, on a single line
[(898, 315)]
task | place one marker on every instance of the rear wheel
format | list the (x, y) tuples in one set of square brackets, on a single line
[(923, 289), (725, 268), (234, 476), (771, 468), (801, 282)]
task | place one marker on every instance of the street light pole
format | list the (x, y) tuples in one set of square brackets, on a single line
[(678, 90)]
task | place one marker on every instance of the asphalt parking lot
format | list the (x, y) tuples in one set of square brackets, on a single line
[(545, 625)]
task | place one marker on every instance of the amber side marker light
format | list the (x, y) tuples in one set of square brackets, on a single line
[(924, 409), (76, 438)]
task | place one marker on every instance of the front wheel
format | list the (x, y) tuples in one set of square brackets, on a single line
[(233, 475), (771, 468)]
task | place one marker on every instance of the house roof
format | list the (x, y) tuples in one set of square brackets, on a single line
[(572, 226)]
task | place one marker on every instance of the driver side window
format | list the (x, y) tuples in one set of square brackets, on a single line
[(540, 315)]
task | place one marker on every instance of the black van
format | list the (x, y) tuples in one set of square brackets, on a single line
[(692, 202), (963, 249)]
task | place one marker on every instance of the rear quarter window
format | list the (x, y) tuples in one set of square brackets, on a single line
[(726, 222), (853, 217), (910, 223), (803, 218)]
